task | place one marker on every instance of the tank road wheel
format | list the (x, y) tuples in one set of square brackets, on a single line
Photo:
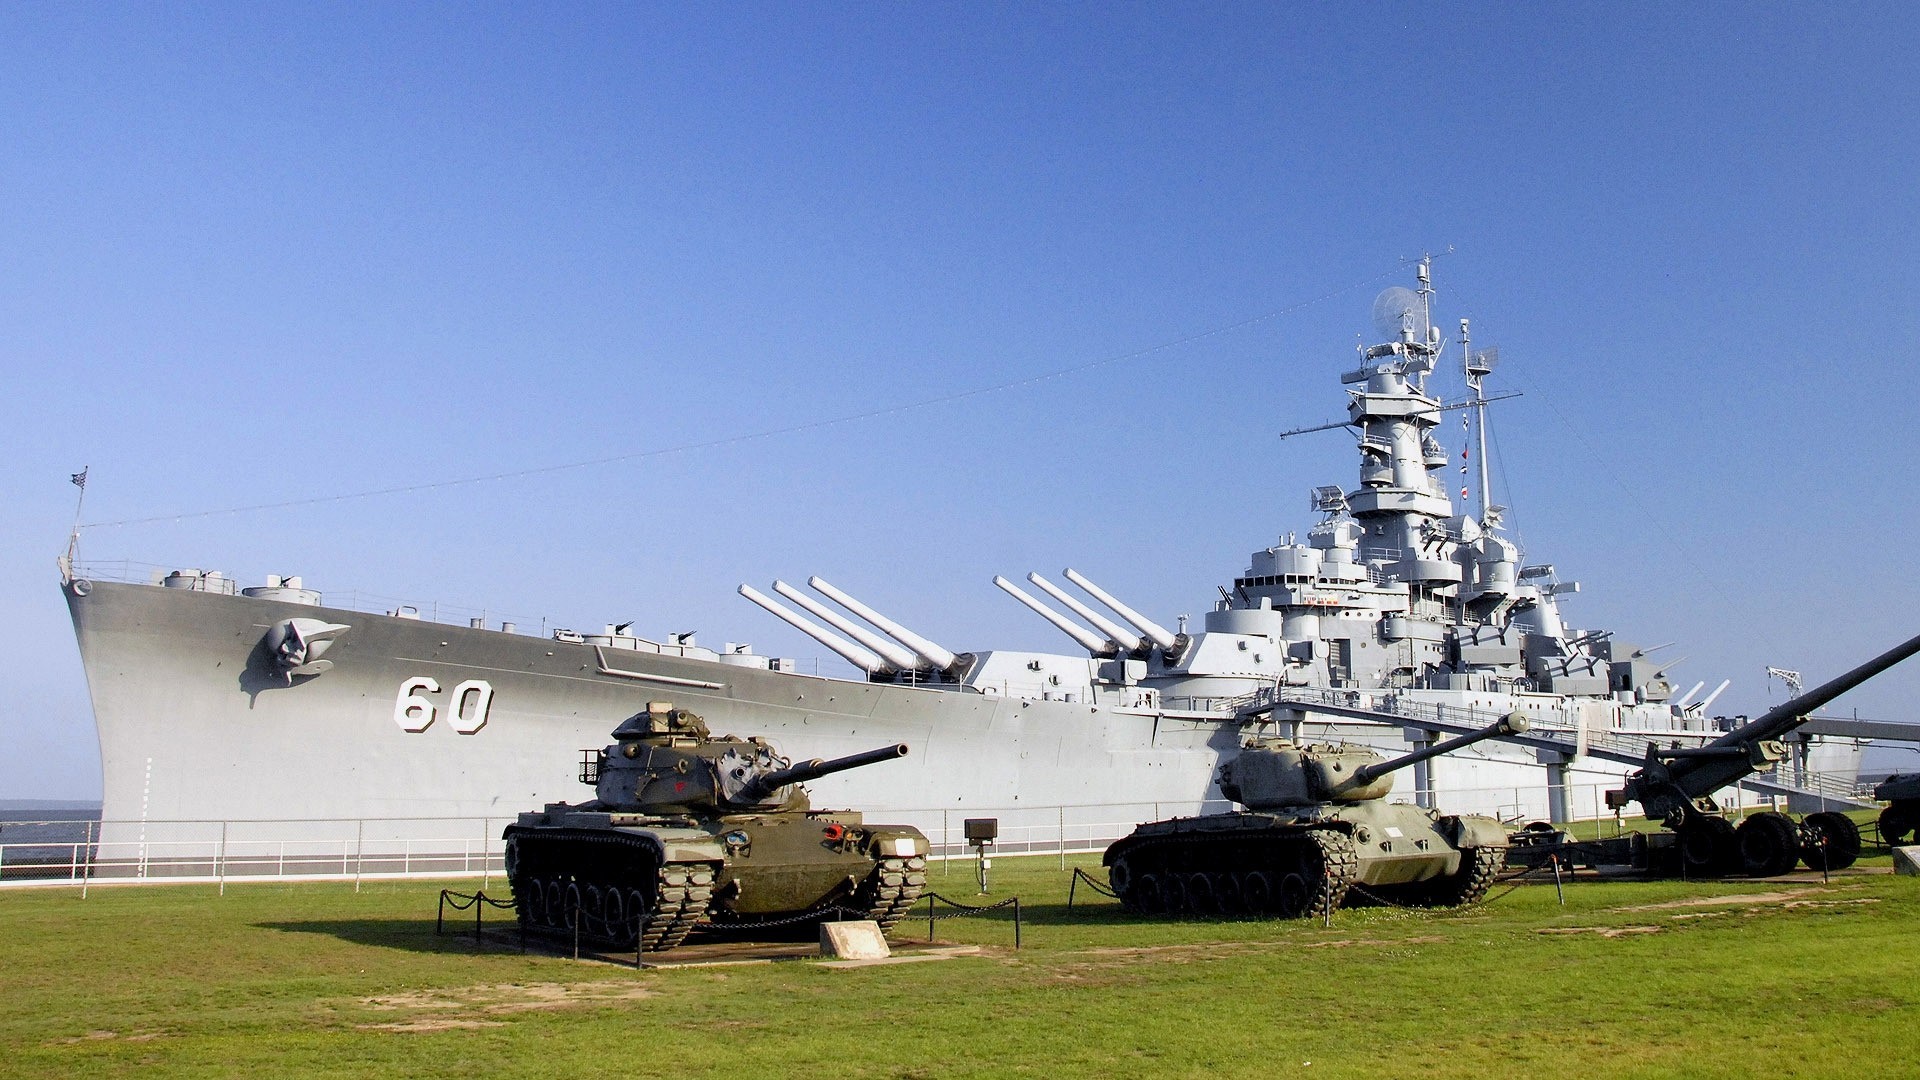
[(1256, 892), (1290, 902), (1897, 824), (1708, 847), (1769, 844), (1829, 840), (573, 902), (1173, 893), (1148, 899), (553, 906), (1228, 893), (1479, 868), (529, 898), (613, 918), (1202, 899)]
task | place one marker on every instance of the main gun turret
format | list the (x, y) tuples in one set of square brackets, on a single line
[(665, 760), (1273, 774)]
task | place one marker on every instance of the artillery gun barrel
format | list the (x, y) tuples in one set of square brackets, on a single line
[(768, 783), (1086, 640), (851, 653), (1510, 724), (935, 655), (1784, 718)]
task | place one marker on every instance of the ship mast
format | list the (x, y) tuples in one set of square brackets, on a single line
[(1477, 366)]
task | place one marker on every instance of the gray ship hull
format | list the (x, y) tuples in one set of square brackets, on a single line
[(195, 726)]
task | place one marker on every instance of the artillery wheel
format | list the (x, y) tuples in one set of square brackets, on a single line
[(1256, 891), (1769, 844), (1897, 823), (1479, 868), (1290, 902), (1829, 840), (1708, 847)]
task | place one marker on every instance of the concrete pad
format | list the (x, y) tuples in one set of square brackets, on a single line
[(1906, 861), (858, 940)]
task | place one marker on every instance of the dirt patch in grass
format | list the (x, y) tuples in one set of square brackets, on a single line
[(1603, 931), (104, 1036), (444, 1024), (499, 998)]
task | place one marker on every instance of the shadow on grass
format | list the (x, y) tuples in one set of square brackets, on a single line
[(406, 935)]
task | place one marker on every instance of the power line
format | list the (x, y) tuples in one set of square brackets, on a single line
[(768, 433)]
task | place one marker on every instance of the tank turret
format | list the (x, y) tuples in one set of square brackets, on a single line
[(1274, 774), (691, 831), (665, 760), (1316, 828)]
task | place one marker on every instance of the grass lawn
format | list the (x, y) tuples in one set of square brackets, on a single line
[(1630, 979)]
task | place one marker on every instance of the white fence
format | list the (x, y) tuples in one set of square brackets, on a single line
[(86, 851)]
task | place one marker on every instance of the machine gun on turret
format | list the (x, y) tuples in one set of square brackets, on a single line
[(1677, 784)]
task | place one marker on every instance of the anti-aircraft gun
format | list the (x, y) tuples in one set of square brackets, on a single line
[(1677, 784), (1316, 826), (688, 827)]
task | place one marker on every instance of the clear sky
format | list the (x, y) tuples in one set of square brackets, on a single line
[(265, 253)]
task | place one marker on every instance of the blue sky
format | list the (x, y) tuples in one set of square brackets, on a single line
[(256, 255)]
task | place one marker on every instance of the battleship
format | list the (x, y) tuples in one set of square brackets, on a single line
[(1400, 617)]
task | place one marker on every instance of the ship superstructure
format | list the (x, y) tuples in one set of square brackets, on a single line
[(1399, 618)]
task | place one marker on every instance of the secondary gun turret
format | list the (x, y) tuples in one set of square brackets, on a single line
[(1275, 774)]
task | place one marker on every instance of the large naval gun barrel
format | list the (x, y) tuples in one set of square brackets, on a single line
[(767, 783), (1510, 724), (1676, 783)]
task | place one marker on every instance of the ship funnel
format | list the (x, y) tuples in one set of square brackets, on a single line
[(1088, 641), (901, 659), (932, 654), (851, 653), (1173, 645), (1123, 640)]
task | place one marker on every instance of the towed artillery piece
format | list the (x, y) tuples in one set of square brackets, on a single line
[(691, 830), (1676, 785), (1316, 826), (1901, 819)]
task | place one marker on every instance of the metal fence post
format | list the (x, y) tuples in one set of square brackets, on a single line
[(221, 859), (359, 852), (1063, 841)]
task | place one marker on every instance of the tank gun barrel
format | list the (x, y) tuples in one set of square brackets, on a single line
[(1785, 717), (768, 783), (1151, 630), (1510, 724), (1088, 641), (934, 655)]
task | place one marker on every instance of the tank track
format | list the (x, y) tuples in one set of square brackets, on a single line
[(1479, 868), (890, 891), (607, 878), (1293, 873)]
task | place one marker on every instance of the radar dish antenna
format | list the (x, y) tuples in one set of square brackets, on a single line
[(1397, 310), (1484, 361)]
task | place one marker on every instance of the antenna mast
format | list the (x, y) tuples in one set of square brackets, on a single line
[(1477, 369)]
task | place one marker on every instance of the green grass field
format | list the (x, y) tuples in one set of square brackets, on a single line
[(1628, 979)]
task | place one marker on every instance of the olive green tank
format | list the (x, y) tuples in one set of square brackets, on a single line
[(689, 830), (1317, 826)]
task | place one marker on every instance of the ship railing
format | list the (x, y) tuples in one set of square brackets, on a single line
[(88, 853)]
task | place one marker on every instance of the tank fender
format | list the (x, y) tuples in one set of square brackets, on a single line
[(898, 841), (1473, 831), (681, 845)]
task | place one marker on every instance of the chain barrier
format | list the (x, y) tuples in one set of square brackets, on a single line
[(1080, 875), (478, 902), (963, 910)]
